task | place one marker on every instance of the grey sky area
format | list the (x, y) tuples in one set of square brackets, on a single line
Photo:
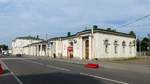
[(57, 17)]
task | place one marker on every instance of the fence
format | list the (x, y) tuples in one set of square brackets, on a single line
[(147, 53)]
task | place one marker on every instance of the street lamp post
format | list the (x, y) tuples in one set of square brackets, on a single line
[(147, 54), (139, 43), (149, 44), (92, 31)]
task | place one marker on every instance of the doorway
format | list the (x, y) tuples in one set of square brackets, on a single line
[(86, 49)]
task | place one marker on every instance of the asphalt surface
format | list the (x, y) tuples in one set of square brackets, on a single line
[(47, 71)]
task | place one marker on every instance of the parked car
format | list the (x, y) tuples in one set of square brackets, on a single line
[(18, 55), (6, 53)]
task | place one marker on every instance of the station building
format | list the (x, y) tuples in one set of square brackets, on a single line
[(94, 43)]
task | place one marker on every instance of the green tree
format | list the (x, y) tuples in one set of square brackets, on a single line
[(111, 30), (132, 33), (108, 29), (144, 44), (4, 47)]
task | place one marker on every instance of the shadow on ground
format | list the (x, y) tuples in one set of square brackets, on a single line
[(58, 78), (7, 78), (6, 71)]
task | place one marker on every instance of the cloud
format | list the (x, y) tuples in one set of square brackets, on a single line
[(56, 17)]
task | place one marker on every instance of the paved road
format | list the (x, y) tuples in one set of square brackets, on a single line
[(45, 71)]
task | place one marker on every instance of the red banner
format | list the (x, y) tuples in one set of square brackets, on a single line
[(70, 49)]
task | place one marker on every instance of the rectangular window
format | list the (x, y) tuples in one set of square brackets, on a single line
[(123, 49), (106, 49), (130, 50), (116, 51)]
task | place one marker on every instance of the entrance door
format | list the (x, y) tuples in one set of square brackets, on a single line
[(87, 49)]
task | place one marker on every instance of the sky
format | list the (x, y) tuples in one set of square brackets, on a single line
[(57, 17)]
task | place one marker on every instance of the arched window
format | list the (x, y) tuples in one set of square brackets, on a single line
[(106, 43), (134, 42), (130, 43), (70, 43), (123, 45), (115, 47)]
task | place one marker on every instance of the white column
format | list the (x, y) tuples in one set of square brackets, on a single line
[(41, 50), (90, 48), (38, 50), (46, 52), (33, 50)]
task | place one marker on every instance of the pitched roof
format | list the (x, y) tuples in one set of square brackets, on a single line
[(29, 37), (95, 30), (99, 30), (35, 43)]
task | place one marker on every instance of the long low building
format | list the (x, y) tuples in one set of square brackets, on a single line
[(89, 44), (19, 42), (36, 49)]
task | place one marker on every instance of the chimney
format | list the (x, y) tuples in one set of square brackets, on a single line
[(69, 34), (37, 36)]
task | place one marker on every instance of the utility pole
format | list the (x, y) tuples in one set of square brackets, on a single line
[(139, 43), (149, 44), (86, 28), (46, 36), (140, 47), (92, 42)]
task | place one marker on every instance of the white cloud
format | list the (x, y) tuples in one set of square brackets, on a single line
[(4, 1)]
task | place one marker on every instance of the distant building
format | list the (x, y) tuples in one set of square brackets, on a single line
[(20, 42), (36, 49), (89, 44), (3, 48)]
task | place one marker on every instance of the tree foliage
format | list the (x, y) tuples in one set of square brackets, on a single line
[(4, 47), (144, 44), (132, 33), (111, 30)]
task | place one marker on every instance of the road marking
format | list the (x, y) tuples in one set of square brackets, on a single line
[(33, 62), (7, 74), (17, 79), (59, 68), (49, 66), (115, 81), (15, 58), (85, 74)]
